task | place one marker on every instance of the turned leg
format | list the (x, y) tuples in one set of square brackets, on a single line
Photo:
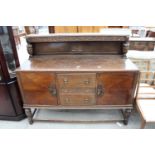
[(29, 115), (126, 114)]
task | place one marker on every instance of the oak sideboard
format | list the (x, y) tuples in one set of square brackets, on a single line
[(77, 71)]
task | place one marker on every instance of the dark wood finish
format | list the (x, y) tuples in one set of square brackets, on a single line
[(77, 88), (1, 74), (65, 37), (77, 44), (4, 69), (5, 101), (78, 63), (118, 88), (10, 101), (142, 44), (77, 47), (51, 29), (78, 71), (77, 99), (11, 104), (39, 88), (29, 115), (126, 114), (76, 80)]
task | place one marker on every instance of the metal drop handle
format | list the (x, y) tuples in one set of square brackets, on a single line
[(100, 90), (67, 100), (86, 82), (52, 90), (65, 81), (86, 100)]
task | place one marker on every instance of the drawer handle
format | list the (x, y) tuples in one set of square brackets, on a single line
[(100, 90), (65, 81), (52, 90), (86, 82), (67, 100), (86, 100)]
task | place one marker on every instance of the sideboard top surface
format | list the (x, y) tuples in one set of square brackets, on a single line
[(78, 63)]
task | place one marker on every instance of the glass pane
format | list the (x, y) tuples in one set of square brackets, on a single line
[(7, 49)]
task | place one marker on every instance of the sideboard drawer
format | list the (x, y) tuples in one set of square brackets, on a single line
[(77, 80), (77, 99)]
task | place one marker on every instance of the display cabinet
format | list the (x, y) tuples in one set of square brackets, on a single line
[(10, 98)]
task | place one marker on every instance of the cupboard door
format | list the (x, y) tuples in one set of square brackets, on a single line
[(116, 88), (38, 88)]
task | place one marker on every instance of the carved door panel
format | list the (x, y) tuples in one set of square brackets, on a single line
[(116, 88), (38, 88)]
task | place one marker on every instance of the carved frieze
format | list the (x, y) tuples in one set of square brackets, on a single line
[(57, 38)]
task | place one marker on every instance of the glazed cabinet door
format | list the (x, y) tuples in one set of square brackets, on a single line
[(38, 88), (116, 88)]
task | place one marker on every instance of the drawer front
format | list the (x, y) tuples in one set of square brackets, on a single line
[(77, 99), (78, 90), (76, 80), (38, 88), (116, 88)]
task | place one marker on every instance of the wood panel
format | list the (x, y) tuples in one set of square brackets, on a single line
[(65, 29), (98, 28), (27, 29), (76, 29), (77, 99), (118, 88), (78, 63), (85, 29), (86, 47), (6, 106), (76, 80), (142, 45), (51, 29), (36, 88)]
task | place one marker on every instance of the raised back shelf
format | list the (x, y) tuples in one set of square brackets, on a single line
[(58, 44)]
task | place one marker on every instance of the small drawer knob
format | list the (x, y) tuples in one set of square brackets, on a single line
[(65, 81), (67, 100), (86, 100), (86, 81)]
